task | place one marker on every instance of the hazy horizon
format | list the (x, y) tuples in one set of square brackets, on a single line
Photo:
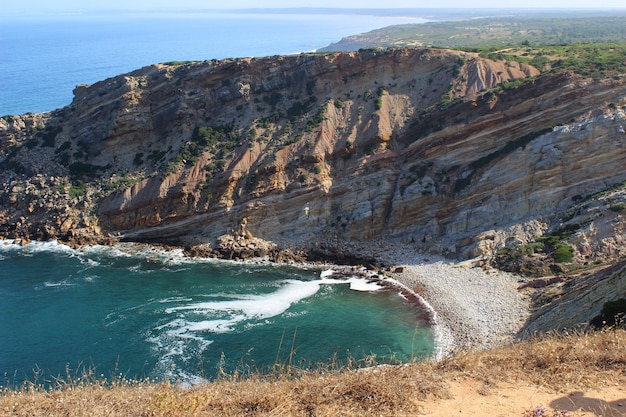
[(38, 7)]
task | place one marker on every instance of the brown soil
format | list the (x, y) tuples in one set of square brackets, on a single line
[(471, 398)]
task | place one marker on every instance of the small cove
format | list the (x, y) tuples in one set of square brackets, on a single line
[(141, 312)]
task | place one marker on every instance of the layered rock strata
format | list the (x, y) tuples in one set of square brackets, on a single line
[(426, 147), (582, 300)]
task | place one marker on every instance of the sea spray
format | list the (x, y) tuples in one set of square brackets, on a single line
[(151, 312)]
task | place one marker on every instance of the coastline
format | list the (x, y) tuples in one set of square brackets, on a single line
[(476, 309), (467, 307)]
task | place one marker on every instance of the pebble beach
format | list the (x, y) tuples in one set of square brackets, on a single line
[(475, 308)]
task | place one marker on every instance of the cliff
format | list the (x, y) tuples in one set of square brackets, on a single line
[(582, 301), (434, 148)]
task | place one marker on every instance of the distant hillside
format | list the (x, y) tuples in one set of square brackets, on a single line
[(513, 30)]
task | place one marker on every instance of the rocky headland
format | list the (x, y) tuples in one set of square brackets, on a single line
[(338, 156)]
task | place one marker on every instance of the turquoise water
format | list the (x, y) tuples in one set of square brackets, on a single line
[(145, 313)]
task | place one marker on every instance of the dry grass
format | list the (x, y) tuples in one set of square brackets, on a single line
[(559, 362)]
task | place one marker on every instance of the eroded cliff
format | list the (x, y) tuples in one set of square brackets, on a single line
[(314, 151)]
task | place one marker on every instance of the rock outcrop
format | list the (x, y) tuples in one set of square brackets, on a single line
[(582, 301), (424, 147)]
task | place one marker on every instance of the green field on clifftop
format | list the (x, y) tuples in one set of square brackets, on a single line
[(499, 31)]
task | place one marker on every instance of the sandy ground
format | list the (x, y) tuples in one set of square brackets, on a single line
[(469, 398)]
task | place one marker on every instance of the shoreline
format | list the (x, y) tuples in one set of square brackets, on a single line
[(467, 307), (475, 308)]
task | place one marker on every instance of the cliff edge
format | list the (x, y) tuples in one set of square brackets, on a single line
[(429, 147), (312, 155)]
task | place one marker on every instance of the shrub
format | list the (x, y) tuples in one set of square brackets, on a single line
[(49, 135), (511, 84), (296, 110), (563, 252), (156, 156), (138, 160), (220, 139), (613, 313), (379, 99), (66, 145), (310, 87), (177, 63), (64, 158), (316, 120), (220, 164), (30, 144), (80, 169), (77, 190), (273, 99), (123, 183), (172, 167), (370, 148)]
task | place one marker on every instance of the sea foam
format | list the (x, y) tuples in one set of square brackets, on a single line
[(186, 335), (257, 306)]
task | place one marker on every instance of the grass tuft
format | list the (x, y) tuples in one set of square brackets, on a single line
[(558, 361)]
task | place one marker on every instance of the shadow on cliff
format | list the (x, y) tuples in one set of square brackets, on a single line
[(582, 302), (577, 401)]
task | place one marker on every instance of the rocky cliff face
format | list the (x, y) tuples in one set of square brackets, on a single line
[(316, 150), (579, 301)]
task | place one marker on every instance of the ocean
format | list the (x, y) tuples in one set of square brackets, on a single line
[(139, 312), (43, 59)]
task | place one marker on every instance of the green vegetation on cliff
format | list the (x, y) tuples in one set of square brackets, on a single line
[(500, 31), (595, 60), (591, 46)]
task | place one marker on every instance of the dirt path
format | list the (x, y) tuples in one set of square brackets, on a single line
[(470, 398)]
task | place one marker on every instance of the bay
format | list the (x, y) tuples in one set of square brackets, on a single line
[(139, 312)]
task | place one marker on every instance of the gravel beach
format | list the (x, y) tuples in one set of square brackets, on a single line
[(475, 308)]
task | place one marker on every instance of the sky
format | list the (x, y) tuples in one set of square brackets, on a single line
[(30, 6)]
